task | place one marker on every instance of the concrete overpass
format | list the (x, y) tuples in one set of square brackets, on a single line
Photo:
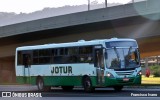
[(139, 21)]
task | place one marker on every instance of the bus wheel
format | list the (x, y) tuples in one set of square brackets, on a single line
[(67, 88), (40, 85), (118, 88), (87, 84)]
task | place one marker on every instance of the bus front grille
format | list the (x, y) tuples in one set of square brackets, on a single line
[(124, 73)]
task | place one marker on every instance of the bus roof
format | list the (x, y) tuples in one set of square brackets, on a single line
[(71, 44)]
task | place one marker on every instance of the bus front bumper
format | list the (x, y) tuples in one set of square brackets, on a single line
[(120, 81)]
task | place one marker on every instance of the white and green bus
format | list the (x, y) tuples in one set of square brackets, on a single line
[(91, 64)]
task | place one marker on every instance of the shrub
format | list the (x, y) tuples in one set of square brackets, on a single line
[(155, 70)]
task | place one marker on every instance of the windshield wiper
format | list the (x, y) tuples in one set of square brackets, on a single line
[(115, 49), (129, 51)]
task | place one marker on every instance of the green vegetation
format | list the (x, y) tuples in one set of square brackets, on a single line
[(154, 78), (155, 70)]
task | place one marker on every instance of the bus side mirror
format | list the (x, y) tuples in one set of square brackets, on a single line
[(137, 53)]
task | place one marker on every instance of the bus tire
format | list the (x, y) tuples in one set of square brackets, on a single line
[(40, 85), (87, 84), (67, 88), (118, 88)]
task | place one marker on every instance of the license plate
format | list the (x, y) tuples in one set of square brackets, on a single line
[(126, 79)]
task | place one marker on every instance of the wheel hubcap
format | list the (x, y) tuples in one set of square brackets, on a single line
[(40, 85), (88, 84)]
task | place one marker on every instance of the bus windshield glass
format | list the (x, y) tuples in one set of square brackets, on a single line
[(122, 58)]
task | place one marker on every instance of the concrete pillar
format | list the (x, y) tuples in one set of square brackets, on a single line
[(146, 62), (0, 71), (7, 70), (88, 5), (157, 58), (106, 3)]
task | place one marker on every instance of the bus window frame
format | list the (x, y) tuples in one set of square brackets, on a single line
[(55, 52)]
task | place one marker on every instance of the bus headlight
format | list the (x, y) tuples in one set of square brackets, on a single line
[(139, 73), (109, 75)]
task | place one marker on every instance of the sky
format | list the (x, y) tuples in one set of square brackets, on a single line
[(28, 6)]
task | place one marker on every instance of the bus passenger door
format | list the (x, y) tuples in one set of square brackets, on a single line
[(27, 65), (99, 64)]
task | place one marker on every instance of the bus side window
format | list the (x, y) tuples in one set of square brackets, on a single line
[(72, 53), (26, 60), (19, 58), (66, 51), (61, 51), (35, 57), (86, 54)]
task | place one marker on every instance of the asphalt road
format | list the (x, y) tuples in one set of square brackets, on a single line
[(128, 93)]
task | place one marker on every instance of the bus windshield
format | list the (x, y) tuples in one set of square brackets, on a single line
[(122, 58)]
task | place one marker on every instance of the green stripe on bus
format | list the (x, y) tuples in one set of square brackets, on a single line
[(76, 81), (56, 80)]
